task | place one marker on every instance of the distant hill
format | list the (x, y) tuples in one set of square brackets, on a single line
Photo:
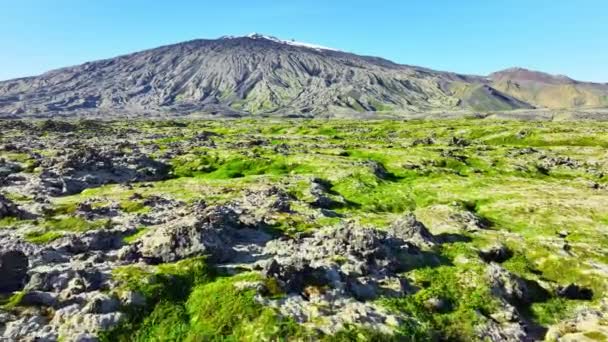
[(263, 75), (549, 91)]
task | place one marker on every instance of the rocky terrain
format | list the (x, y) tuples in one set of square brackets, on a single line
[(263, 75), (459, 230)]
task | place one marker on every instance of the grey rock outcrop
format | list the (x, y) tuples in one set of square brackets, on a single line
[(361, 261), (409, 229), (507, 285), (88, 167), (207, 234)]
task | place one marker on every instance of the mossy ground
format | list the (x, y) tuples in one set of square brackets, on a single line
[(495, 171)]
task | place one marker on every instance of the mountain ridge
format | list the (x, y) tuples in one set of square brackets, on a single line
[(259, 74)]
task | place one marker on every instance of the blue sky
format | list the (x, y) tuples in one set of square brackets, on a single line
[(476, 36)]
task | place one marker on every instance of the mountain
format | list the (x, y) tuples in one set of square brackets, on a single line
[(263, 75), (550, 91)]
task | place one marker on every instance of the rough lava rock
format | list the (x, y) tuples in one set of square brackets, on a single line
[(206, 234), (8, 208), (412, 230)]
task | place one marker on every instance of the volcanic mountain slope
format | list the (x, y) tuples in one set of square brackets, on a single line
[(252, 74), (247, 75)]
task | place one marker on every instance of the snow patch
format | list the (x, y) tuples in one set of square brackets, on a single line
[(281, 41)]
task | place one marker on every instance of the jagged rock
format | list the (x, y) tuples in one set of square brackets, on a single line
[(296, 275), (13, 268), (192, 236), (497, 253), (409, 229), (267, 199), (85, 327), (354, 259), (88, 167), (507, 285), (470, 222), (378, 169), (424, 141), (96, 240), (494, 331), (456, 141), (319, 190), (67, 279), (100, 303), (128, 253), (27, 328)]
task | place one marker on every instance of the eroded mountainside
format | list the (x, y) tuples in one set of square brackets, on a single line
[(470, 230), (263, 75)]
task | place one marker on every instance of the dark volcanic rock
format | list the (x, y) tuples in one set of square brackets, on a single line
[(574, 291), (8, 208), (497, 253), (13, 271)]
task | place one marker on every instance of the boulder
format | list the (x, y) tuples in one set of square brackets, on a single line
[(13, 268), (411, 230), (39, 298), (496, 253), (507, 285), (574, 291), (8, 208), (207, 234)]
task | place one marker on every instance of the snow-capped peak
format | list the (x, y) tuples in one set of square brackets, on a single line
[(281, 41)]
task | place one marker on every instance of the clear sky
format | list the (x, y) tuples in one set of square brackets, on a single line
[(476, 36)]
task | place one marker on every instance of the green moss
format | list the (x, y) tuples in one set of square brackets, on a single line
[(165, 288), (219, 309), (10, 222), (130, 206), (552, 311), (65, 209), (75, 224), (186, 302), (12, 301), (596, 336), (214, 167), (365, 190), (42, 238), (464, 291), (141, 231)]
